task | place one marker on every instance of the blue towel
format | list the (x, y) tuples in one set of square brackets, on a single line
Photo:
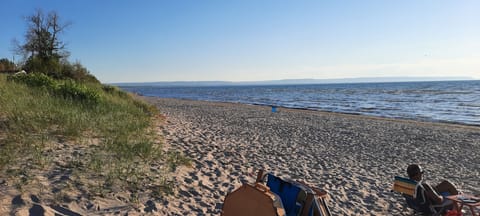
[(287, 191)]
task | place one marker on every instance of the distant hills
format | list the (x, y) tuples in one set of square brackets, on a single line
[(296, 81)]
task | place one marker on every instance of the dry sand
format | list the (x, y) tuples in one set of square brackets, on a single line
[(354, 158)]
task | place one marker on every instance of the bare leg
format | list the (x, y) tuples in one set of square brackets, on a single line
[(446, 186)]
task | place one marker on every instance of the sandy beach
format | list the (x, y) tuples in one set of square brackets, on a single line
[(354, 158)]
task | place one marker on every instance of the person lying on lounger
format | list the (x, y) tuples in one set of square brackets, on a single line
[(435, 194)]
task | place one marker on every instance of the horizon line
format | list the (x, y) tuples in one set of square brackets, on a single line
[(318, 81)]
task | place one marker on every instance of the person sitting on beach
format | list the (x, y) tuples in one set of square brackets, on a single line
[(425, 194)]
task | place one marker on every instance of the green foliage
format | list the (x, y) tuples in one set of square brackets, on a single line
[(109, 89), (57, 69), (76, 71), (77, 92), (34, 80), (49, 66), (113, 90), (145, 107), (68, 89)]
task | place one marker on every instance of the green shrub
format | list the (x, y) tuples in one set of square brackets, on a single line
[(60, 69), (77, 92), (108, 89), (34, 80), (50, 66), (77, 72), (67, 89)]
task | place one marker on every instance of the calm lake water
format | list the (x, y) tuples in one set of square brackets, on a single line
[(450, 101)]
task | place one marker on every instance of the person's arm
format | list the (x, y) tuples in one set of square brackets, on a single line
[(432, 194)]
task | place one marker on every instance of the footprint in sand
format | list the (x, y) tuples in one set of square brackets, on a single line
[(34, 199), (188, 180), (36, 210), (18, 201), (184, 193), (150, 207), (194, 176)]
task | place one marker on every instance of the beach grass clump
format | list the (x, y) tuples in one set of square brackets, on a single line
[(43, 120), (113, 90)]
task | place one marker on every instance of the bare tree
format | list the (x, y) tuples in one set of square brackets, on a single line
[(43, 51), (42, 39)]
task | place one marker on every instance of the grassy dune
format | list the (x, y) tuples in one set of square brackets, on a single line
[(105, 137)]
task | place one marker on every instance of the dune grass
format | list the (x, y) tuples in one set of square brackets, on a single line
[(112, 130)]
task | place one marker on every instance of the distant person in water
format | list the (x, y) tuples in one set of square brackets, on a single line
[(435, 195)]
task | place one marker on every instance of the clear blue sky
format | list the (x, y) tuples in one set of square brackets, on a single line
[(243, 40)]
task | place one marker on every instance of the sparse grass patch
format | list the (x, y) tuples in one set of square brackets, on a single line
[(176, 159)]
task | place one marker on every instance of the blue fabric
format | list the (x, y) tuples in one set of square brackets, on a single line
[(445, 194), (274, 109), (406, 180), (288, 193)]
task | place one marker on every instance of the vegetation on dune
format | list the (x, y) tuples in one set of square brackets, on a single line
[(60, 117), (112, 131)]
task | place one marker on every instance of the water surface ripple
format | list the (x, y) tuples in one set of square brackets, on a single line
[(452, 101)]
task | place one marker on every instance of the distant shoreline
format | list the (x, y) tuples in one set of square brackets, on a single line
[(294, 82)]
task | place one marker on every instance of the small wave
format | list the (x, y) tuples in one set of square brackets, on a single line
[(448, 101), (397, 101), (468, 105), (389, 108), (367, 108)]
